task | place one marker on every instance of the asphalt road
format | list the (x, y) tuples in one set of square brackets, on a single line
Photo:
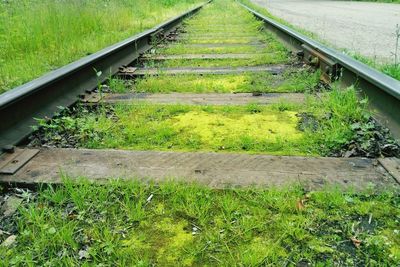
[(366, 28)]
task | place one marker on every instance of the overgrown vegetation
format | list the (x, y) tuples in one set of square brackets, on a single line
[(323, 124), (39, 36), (136, 224)]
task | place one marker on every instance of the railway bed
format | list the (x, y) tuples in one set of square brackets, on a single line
[(223, 104), (208, 140)]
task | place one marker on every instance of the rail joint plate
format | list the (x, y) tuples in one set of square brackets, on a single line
[(330, 69)]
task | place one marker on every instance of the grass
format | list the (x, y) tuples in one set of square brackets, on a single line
[(273, 129), (291, 81), (40, 36), (136, 224), (390, 69), (393, 70)]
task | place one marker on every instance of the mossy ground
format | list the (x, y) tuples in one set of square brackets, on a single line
[(273, 129), (173, 224)]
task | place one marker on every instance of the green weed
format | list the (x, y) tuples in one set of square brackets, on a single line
[(273, 129), (137, 224)]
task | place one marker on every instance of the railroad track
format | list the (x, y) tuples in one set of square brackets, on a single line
[(187, 100)]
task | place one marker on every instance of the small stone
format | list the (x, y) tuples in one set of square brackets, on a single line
[(11, 205), (83, 254), (350, 153), (9, 241)]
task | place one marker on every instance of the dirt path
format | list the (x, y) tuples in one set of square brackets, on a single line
[(367, 28)]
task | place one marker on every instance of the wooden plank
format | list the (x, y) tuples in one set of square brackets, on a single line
[(216, 39), (392, 166), (200, 56), (273, 69), (202, 99), (214, 45), (11, 162), (213, 169), (212, 34)]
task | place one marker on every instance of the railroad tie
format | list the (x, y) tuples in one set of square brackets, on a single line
[(273, 69)]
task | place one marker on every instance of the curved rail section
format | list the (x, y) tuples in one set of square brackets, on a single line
[(62, 87), (383, 92)]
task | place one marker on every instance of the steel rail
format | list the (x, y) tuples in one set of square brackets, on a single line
[(382, 91), (43, 96)]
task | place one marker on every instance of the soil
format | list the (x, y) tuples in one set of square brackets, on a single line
[(370, 140)]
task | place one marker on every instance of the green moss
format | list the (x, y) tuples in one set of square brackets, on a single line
[(260, 251), (175, 240), (214, 129), (193, 83), (174, 127)]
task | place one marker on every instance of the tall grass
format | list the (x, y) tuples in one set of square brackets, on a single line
[(37, 36)]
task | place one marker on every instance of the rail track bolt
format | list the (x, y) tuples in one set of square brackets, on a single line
[(9, 149)]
